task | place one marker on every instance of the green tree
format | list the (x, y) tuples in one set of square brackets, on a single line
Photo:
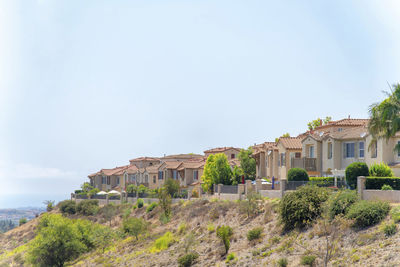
[(385, 117), (247, 163), (165, 201), (86, 187), (109, 212), (318, 122), (216, 171), (49, 205), (172, 186), (237, 174), (134, 226), (225, 233), (103, 237)]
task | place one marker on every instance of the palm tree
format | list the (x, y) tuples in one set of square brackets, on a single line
[(385, 116)]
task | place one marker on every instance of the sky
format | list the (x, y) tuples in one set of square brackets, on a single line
[(86, 85)]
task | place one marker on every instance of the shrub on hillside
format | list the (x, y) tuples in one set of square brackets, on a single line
[(172, 186), (354, 170), (67, 206), (301, 207), (163, 242), (308, 260), (49, 205), (297, 174), (22, 221), (225, 233), (386, 187), (151, 207), (188, 259), (133, 226), (340, 202), (254, 233), (380, 170), (87, 207), (282, 262), (367, 213), (395, 213), (390, 229), (140, 203)]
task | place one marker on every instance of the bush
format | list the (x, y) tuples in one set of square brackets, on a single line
[(187, 259), (390, 229), (380, 170), (49, 205), (378, 182), (395, 213), (230, 257), (308, 260), (367, 213), (133, 226), (172, 186), (67, 206), (282, 262), (140, 203), (210, 228), (225, 233), (297, 174), (195, 193), (22, 221), (131, 188), (254, 233), (299, 208), (151, 207), (88, 207), (340, 202), (163, 242), (386, 187), (249, 206), (354, 170)]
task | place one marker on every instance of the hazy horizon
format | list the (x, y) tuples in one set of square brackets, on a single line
[(90, 85)]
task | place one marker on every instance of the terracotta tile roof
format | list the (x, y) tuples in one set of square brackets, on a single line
[(172, 164), (291, 142), (114, 171), (345, 122), (234, 162), (93, 174), (346, 134), (192, 165), (153, 169), (132, 169), (221, 149), (182, 156), (144, 159)]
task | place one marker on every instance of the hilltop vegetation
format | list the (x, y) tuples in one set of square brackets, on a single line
[(336, 229)]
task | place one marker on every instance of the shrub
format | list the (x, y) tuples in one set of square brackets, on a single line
[(225, 233), (67, 206), (133, 226), (380, 170), (354, 170), (87, 207), (340, 202), (230, 257), (249, 206), (131, 188), (140, 203), (297, 174), (163, 242), (282, 262), (299, 208), (254, 233), (187, 259), (210, 228), (367, 213), (195, 193), (22, 221), (395, 213), (165, 202), (151, 207), (386, 187), (182, 228), (308, 260), (378, 182), (390, 229), (172, 186), (49, 205)]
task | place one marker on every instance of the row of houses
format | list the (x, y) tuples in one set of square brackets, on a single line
[(327, 150), (324, 151), (152, 172)]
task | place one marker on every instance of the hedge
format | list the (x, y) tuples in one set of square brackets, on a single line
[(378, 182), (323, 179)]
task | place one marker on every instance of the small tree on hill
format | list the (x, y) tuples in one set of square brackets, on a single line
[(225, 233), (109, 212), (172, 186), (216, 171), (247, 163), (103, 237), (165, 201), (134, 226)]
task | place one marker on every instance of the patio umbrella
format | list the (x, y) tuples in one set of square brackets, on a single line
[(114, 192), (101, 193)]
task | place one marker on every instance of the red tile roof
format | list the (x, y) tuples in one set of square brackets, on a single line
[(291, 142), (144, 159), (221, 149), (345, 122)]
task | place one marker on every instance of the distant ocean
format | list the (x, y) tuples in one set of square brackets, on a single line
[(29, 200)]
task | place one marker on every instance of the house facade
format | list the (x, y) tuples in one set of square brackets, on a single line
[(230, 152)]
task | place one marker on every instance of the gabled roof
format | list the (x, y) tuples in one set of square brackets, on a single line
[(264, 147), (171, 164), (153, 169), (347, 134), (291, 143), (344, 122), (144, 159), (182, 156), (221, 149), (114, 171), (132, 169), (234, 162)]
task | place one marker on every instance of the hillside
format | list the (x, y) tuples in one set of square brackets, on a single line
[(368, 247)]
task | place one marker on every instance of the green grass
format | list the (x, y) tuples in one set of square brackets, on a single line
[(163, 242)]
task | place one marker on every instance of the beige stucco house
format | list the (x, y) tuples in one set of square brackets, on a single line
[(230, 152)]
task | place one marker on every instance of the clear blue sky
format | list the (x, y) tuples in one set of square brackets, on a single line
[(86, 85)]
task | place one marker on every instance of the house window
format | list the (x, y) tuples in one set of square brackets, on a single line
[(266, 162), (374, 150), (349, 150), (361, 149), (297, 155), (311, 151), (108, 180), (232, 156), (196, 175), (146, 178), (103, 180), (117, 180), (174, 174), (160, 175), (283, 159), (154, 179), (329, 150)]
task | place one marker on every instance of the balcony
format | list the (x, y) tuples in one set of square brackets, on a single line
[(309, 164)]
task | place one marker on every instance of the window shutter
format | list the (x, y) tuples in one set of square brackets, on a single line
[(356, 153), (344, 150)]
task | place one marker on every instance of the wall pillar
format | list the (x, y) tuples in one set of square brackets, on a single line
[(335, 181), (241, 189), (249, 186), (263, 172), (219, 189), (282, 187), (361, 186), (258, 185), (107, 199)]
